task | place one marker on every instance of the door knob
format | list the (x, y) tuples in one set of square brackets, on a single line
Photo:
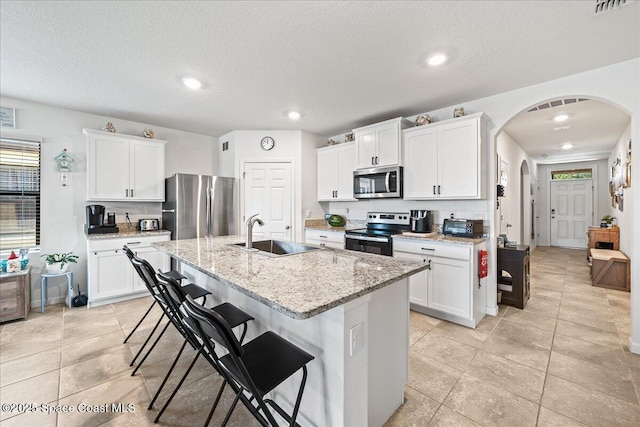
[(287, 227)]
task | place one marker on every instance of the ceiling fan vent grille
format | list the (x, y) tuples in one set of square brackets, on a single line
[(602, 6), (557, 103)]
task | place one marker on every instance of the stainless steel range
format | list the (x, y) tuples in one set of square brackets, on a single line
[(377, 237)]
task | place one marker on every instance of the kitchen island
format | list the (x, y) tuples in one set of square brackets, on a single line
[(348, 309)]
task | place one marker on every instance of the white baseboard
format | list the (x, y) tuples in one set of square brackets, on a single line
[(634, 347), (492, 311), (53, 300)]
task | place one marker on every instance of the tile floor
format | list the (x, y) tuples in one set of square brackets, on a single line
[(563, 360)]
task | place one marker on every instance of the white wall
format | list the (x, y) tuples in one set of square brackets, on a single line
[(63, 208), (295, 146), (627, 216), (510, 151)]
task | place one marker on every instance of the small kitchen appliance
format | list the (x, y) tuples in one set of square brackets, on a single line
[(96, 221), (375, 183), (471, 228), (377, 237), (148, 224), (421, 221), (111, 219)]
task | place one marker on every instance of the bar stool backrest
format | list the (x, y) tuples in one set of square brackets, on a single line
[(172, 294), (148, 276)]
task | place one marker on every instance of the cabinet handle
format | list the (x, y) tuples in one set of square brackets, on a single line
[(126, 192), (322, 237), (133, 243), (429, 265), (434, 189), (427, 249), (323, 244), (336, 194), (438, 189), (372, 162), (377, 160)]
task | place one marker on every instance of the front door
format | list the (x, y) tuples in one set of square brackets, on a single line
[(571, 212), (268, 192)]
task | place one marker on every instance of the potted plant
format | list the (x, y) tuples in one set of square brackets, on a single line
[(606, 221), (58, 263)]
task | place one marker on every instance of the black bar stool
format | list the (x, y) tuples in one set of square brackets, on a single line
[(255, 368), (148, 276), (174, 296)]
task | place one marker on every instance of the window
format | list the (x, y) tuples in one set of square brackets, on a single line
[(572, 174), (19, 194)]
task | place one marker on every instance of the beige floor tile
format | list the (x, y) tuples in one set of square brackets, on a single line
[(80, 330), (511, 376), (89, 373), (603, 355), (549, 418), (588, 333), (446, 417), (587, 317), (125, 389), (490, 405), (416, 410), (167, 346), (36, 390), (415, 334), (468, 336), (79, 351), (588, 406), (548, 293), (518, 343), (29, 366), (543, 305), (445, 350), (543, 321), (430, 377), (422, 321), (615, 383)]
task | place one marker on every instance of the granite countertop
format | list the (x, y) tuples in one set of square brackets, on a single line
[(127, 233), (440, 238), (323, 225), (301, 285)]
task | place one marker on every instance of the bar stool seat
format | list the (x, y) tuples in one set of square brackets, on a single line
[(44, 277)]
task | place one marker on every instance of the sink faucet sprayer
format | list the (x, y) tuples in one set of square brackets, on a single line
[(250, 221)]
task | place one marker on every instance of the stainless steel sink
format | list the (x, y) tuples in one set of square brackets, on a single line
[(278, 247)]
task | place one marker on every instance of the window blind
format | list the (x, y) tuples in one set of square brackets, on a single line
[(19, 194)]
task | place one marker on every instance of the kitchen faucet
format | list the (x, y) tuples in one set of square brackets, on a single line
[(250, 221)]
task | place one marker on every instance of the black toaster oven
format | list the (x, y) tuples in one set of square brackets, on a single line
[(472, 228)]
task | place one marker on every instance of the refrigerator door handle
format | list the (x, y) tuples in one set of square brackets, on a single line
[(208, 213), (168, 211)]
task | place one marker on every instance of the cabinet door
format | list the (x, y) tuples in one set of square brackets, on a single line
[(346, 165), (107, 168), (147, 171), (458, 153), (421, 164), (327, 174), (12, 304), (157, 259), (418, 282), (366, 148), (110, 274), (449, 289), (388, 145)]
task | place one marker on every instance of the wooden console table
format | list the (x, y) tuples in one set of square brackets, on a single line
[(15, 295), (610, 235)]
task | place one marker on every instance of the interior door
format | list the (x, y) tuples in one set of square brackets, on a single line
[(571, 212), (268, 192)]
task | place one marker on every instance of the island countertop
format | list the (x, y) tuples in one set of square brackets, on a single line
[(300, 285)]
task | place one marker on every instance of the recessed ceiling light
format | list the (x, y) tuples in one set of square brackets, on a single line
[(192, 83), (437, 59), (560, 118), (294, 115), (567, 146)]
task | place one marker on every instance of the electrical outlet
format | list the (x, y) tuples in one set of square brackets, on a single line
[(308, 213), (356, 339)]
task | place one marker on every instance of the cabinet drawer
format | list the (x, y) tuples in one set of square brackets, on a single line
[(428, 248), (325, 236), (117, 243)]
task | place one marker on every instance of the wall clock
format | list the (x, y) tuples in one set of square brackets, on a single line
[(267, 143)]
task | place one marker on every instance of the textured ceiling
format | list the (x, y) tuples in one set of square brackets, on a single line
[(341, 64)]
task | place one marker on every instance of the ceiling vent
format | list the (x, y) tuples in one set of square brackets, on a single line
[(602, 6), (557, 103)]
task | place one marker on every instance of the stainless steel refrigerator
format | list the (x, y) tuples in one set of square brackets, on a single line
[(199, 206)]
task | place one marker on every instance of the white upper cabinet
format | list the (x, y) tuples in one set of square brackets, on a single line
[(335, 172), (379, 144), (445, 160), (124, 167)]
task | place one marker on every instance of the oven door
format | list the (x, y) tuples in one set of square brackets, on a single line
[(372, 245), (377, 183)]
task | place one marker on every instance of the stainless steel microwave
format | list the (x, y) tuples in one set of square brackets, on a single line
[(377, 183)]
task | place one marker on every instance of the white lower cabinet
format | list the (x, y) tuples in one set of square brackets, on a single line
[(450, 288), (111, 277), (329, 239)]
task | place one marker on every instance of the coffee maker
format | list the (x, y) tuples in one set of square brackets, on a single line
[(421, 221), (96, 223)]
